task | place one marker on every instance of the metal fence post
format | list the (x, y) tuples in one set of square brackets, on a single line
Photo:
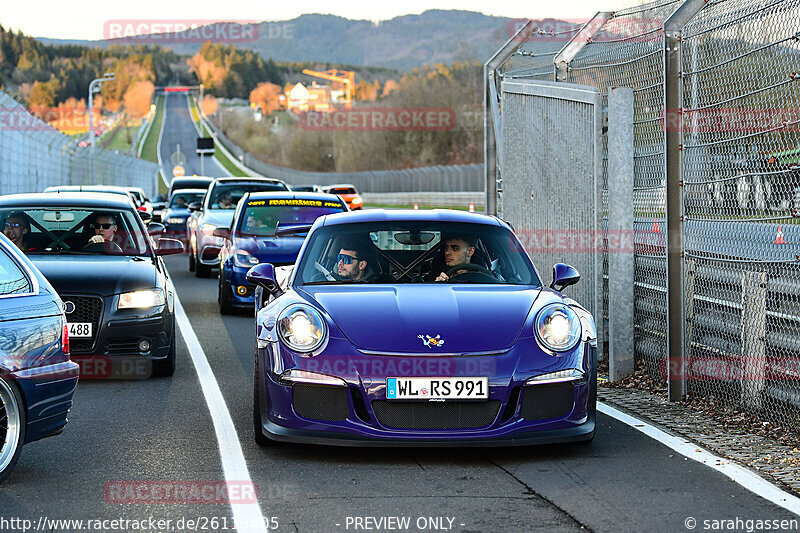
[(673, 123), (575, 45), (492, 138), (620, 231), (754, 338)]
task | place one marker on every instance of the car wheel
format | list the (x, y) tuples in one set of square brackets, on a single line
[(166, 367), (258, 432), (224, 295), (12, 427), (201, 270), (191, 261)]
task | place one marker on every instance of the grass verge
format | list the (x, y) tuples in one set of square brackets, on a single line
[(150, 149)]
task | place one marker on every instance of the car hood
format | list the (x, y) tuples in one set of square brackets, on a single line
[(395, 319), (103, 275), (276, 250), (172, 212), (218, 217)]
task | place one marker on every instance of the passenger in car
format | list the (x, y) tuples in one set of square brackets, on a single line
[(16, 227)]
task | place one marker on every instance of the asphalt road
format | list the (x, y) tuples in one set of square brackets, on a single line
[(180, 135), (122, 432)]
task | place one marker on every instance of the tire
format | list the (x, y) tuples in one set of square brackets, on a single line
[(201, 270), (166, 367), (12, 427), (258, 432), (224, 295), (191, 261)]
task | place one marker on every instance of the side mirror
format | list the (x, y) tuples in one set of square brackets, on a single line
[(564, 276), (156, 228), (169, 247), (156, 216), (222, 232), (263, 275), (195, 206)]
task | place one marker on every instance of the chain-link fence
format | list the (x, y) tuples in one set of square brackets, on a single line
[(441, 178), (33, 156), (738, 174)]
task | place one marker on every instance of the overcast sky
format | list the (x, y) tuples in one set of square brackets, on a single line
[(85, 19)]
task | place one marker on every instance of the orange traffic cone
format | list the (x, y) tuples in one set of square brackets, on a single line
[(416, 206), (779, 238), (471, 207), (655, 229)]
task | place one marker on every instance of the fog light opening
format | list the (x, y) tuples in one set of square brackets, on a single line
[(241, 290), (144, 345)]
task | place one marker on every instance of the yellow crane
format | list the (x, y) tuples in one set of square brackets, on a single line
[(347, 77)]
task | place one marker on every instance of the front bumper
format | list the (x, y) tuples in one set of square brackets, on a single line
[(118, 334), (363, 419)]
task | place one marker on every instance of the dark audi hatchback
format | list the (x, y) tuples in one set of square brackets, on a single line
[(104, 263)]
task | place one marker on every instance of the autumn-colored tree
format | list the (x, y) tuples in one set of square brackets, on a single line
[(138, 98), (209, 105), (389, 87), (266, 96)]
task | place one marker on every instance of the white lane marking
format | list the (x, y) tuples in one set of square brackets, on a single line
[(742, 476), (247, 516)]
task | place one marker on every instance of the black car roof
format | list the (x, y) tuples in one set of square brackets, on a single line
[(67, 199)]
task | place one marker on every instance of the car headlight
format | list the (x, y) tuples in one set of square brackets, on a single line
[(173, 220), (207, 229), (245, 259), (357, 200), (557, 327), (302, 328), (141, 299)]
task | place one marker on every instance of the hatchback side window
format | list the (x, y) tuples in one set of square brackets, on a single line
[(12, 279)]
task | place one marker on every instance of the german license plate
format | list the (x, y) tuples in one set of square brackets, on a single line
[(461, 388), (80, 330)]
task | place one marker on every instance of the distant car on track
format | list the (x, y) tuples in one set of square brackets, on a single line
[(256, 237), (37, 378), (348, 193), (307, 188), (217, 210), (175, 215), (189, 182), (421, 328), (108, 189), (96, 252)]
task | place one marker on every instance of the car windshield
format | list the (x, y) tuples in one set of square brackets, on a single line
[(343, 190), (227, 196), (414, 252), (262, 216), (75, 230), (181, 200)]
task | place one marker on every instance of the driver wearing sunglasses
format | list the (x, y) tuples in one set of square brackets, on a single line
[(16, 227), (351, 265), (104, 226)]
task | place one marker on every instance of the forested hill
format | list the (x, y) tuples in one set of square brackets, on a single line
[(405, 42)]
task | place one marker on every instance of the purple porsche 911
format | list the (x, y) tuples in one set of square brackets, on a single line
[(420, 328)]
